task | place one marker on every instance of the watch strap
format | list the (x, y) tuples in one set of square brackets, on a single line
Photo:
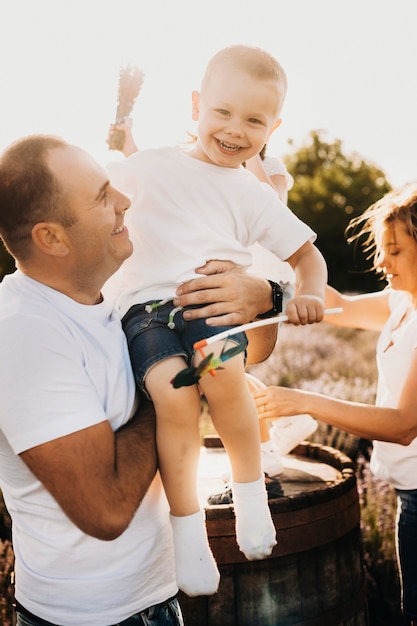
[(276, 301)]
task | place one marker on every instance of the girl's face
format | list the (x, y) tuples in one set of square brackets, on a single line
[(397, 258)]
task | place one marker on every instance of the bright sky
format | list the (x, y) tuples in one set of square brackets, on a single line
[(351, 67)]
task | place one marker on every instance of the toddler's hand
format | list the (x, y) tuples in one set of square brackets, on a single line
[(305, 309)]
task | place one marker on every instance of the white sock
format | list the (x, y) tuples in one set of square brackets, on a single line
[(255, 531), (271, 459), (267, 446), (197, 573)]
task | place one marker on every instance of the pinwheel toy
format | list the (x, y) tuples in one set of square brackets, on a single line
[(210, 363)]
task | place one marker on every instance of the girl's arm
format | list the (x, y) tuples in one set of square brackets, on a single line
[(397, 425), (278, 182), (368, 311)]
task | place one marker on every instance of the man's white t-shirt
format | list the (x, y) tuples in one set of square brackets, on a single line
[(64, 367)]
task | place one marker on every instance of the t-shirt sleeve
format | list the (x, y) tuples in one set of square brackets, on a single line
[(272, 224), (47, 392)]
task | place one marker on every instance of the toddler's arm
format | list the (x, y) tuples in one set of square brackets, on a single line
[(310, 270)]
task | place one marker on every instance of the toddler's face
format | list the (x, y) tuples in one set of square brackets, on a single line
[(236, 114)]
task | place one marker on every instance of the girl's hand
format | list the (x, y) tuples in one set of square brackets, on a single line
[(274, 402)]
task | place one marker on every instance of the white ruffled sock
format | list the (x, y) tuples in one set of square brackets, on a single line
[(255, 530), (197, 573)]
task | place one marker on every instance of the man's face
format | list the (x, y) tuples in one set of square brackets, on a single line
[(98, 241), (236, 114)]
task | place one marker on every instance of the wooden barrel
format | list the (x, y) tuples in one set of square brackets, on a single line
[(315, 575)]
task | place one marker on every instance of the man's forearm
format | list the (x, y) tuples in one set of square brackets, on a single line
[(136, 440), (99, 477)]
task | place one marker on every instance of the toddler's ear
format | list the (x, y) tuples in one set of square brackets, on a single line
[(274, 127), (196, 105)]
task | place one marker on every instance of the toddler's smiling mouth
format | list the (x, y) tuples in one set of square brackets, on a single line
[(229, 147)]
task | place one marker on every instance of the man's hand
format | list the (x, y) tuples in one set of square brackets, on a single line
[(232, 295)]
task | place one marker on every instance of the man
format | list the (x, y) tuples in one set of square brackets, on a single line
[(77, 463), (85, 554)]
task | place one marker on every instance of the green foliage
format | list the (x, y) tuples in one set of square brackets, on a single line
[(330, 188), (6, 589)]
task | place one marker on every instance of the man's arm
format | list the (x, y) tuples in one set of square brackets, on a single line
[(99, 477)]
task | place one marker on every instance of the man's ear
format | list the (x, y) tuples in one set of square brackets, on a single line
[(195, 105), (274, 127), (49, 238)]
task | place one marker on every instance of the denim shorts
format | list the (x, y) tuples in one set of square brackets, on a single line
[(166, 613), (150, 340), (407, 550)]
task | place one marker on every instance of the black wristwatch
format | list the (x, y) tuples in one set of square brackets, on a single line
[(276, 301)]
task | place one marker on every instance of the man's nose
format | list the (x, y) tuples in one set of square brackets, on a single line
[(123, 203)]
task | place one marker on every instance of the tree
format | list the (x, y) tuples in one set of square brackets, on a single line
[(330, 188)]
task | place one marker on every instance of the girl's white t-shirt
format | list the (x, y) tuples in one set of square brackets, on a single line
[(392, 462)]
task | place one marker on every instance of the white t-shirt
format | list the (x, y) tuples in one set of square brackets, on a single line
[(392, 462), (185, 212), (275, 167), (64, 367)]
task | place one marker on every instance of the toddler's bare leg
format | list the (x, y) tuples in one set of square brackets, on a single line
[(178, 443), (235, 418)]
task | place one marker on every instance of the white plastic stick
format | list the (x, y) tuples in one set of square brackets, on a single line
[(243, 327)]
